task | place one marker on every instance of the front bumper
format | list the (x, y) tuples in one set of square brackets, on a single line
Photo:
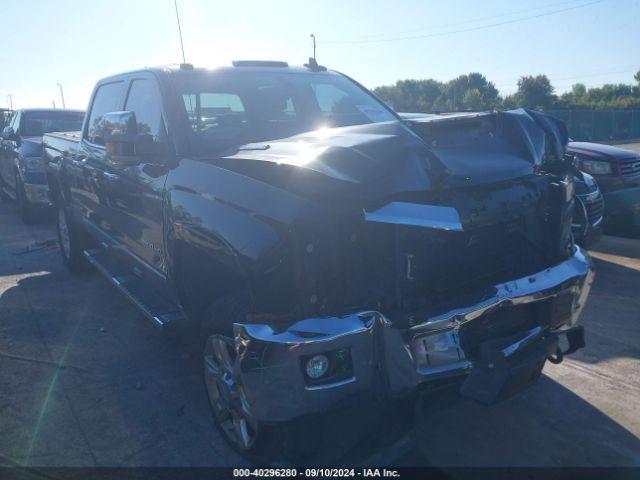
[(385, 360)]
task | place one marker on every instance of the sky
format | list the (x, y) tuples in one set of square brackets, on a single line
[(377, 42)]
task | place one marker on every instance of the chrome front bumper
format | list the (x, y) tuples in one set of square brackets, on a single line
[(385, 359)]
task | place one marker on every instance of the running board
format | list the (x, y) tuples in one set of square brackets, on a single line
[(159, 310)]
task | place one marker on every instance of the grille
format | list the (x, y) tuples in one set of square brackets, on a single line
[(595, 209), (630, 167)]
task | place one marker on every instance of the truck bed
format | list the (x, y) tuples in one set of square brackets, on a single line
[(55, 146), (60, 142)]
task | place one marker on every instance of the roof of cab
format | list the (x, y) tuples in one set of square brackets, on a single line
[(244, 66)]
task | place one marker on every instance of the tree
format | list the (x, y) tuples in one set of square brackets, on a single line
[(535, 92), (411, 95), (473, 100), (456, 90), (474, 92), (578, 90)]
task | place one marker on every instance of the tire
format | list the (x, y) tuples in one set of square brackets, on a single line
[(251, 438), (3, 196), (71, 240), (28, 211)]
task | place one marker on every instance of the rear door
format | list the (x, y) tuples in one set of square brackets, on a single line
[(135, 192), (85, 170)]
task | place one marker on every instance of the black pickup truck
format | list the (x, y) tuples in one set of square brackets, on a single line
[(329, 251), (22, 172)]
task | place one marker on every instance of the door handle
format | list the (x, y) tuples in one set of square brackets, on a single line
[(111, 177), (78, 162)]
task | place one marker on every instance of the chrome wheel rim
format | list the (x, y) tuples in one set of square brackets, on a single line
[(63, 228), (226, 395)]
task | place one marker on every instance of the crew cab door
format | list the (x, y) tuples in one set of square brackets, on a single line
[(84, 170), (135, 192)]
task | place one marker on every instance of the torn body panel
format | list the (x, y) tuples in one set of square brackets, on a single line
[(390, 360)]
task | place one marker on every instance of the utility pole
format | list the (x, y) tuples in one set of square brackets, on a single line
[(62, 95), (175, 3), (313, 37), (10, 102)]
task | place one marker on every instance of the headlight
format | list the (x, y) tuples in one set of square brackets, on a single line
[(595, 167), (33, 164), (317, 366)]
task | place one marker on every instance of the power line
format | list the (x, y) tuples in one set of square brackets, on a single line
[(464, 22), (471, 29)]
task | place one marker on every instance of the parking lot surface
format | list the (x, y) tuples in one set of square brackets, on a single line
[(87, 381)]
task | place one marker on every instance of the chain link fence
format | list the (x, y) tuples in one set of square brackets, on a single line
[(600, 125)]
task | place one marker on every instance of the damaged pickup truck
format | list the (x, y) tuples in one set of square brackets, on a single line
[(329, 250)]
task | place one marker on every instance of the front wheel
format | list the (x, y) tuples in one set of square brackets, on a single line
[(71, 241), (231, 409), (28, 211), (229, 405)]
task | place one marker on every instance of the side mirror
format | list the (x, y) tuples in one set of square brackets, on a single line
[(8, 133), (125, 144), (120, 133)]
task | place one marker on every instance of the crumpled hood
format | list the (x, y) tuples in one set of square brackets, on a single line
[(386, 156), (384, 159), (598, 150)]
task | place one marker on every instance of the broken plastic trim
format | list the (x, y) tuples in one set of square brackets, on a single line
[(418, 215)]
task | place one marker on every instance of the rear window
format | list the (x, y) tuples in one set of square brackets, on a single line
[(35, 124)]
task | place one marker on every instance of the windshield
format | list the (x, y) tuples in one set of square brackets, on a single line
[(35, 124), (233, 109)]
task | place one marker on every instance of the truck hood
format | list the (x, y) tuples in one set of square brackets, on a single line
[(385, 159), (600, 151)]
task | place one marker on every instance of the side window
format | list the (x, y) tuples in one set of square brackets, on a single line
[(106, 100), (144, 100)]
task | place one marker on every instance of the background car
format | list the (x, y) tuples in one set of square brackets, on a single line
[(22, 173), (588, 213), (617, 172)]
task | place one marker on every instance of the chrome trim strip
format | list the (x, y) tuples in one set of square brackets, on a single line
[(528, 338), (417, 215), (330, 385), (451, 368)]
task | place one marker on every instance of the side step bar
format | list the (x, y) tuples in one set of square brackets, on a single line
[(159, 310)]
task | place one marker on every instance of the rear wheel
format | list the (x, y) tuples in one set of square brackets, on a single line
[(71, 240)]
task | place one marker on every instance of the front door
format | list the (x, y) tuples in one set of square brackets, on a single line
[(135, 193)]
